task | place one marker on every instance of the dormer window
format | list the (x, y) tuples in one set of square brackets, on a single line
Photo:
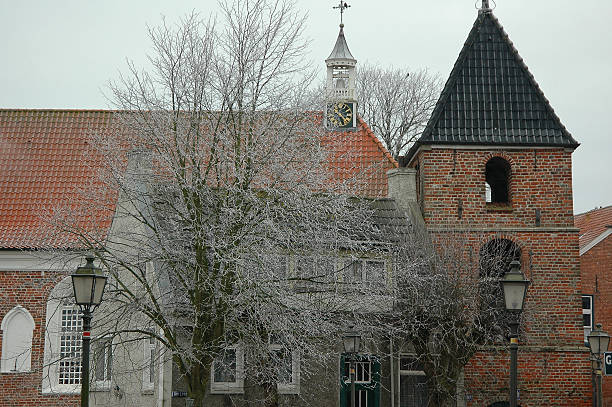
[(497, 181)]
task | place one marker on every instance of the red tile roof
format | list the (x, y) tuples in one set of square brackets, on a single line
[(592, 224), (45, 158)]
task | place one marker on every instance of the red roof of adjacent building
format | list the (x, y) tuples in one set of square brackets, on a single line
[(46, 158), (593, 224)]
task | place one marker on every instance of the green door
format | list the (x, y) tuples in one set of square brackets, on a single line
[(367, 382)]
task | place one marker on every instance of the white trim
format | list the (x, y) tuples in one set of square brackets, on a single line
[(149, 362), (50, 377), (292, 387), (24, 260), (13, 360), (102, 385), (402, 372), (596, 241), (235, 387)]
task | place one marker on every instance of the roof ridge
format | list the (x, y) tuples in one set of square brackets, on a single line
[(18, 109), (593, 210)]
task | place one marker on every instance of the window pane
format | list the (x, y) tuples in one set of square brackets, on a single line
[(70, 346), (586, 302), (413, 391), (586, 320), (225, 367), (152, 366), (375, 271), (285, 373)]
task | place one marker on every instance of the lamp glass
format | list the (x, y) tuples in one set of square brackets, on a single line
[(83, 287), (514, 295), (352, 342), (515, 287), (598, 340), (98, 291)]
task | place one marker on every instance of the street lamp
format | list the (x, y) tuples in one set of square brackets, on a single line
[(88, 283), (514, 286), (352, 343), (598, 342)]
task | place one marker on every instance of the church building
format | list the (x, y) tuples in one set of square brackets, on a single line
[(493, 167)]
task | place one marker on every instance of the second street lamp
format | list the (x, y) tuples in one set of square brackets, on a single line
[(598, 343), (514, 286), (88, 283), (352, 343)]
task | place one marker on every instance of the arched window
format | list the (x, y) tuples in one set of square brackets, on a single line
[(17, 329), (494, 259), (63, 341), (497, 178)]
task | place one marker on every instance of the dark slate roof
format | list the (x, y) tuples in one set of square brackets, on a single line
[(491, 98)]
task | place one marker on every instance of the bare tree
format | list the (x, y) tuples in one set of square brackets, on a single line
[(449, 307), (396, 103), (226, 205)]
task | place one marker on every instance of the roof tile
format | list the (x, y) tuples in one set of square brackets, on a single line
[(45, 159)]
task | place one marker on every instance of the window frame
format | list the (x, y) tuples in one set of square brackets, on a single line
[(402, 372), (61, 296), (588, 329), (149, 363), (235, 387), (292, 387), (12, 354), (109, 350)]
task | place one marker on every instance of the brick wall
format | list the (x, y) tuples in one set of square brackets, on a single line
[(30, 290), (553, 362), (541, 179), (596, 268)]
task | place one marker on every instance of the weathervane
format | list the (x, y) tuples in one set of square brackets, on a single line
[(343, 5)]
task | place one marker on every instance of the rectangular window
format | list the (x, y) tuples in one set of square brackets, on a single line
[(227, 372), (102, 362), (149, 357), (71, 331), (288, 364), (371, 271), (587, 316), (412, 383), (363, 371)]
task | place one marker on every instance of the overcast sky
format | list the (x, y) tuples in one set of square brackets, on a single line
[(60, 54)]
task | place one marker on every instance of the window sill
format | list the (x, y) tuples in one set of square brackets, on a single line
[(16, 372), (100, 386), (499, 207)]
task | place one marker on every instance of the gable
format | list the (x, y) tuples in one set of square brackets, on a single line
[(491, 98)]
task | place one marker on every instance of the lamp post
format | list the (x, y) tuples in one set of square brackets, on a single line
[(598, 342), (88, 283), (352, 343), (514, 286)]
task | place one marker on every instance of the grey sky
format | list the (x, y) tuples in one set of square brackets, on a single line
[(60, 54)]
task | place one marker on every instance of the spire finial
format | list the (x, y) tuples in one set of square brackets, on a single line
[(486, 8), (342, 6)]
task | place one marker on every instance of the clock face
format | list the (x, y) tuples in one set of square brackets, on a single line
[(340, 114)]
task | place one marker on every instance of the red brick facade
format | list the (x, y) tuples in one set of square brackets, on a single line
[(30, 290), (596, 269), (553, 361)]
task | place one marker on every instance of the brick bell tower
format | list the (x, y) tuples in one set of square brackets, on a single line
[(494, 165)]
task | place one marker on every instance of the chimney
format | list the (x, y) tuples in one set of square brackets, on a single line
[(402, 187)]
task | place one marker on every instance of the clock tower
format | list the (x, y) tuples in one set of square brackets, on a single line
[(341, 105)]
